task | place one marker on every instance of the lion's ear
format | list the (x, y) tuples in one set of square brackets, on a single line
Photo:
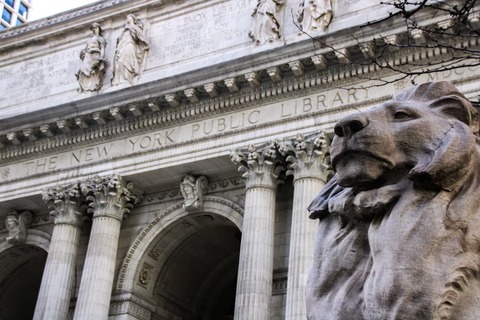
[(458, 108)]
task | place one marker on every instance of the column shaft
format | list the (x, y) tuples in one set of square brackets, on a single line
[(302, 238), (58, 277), (98, 272), (254, 285)]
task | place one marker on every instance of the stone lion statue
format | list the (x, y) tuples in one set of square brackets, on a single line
[(399, 229)]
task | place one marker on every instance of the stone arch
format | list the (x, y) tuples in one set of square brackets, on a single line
[(132, 262), (21, 271)]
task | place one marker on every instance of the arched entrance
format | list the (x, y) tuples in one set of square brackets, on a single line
[(21, 270), (184, 265), (197, 277)]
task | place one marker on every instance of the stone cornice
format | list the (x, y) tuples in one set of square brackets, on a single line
[(254, 88)]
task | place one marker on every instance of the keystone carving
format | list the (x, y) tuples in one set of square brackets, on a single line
[(193, 190), (17, 225)]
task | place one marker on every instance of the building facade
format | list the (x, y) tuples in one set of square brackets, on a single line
[(157, 157), (14, 12)]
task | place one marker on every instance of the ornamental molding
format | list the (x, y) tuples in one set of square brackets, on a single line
[(156, 112)]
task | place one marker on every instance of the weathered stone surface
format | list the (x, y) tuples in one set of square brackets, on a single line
[(398, 233)]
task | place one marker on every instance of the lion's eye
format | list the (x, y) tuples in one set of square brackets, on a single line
[(402, 115)]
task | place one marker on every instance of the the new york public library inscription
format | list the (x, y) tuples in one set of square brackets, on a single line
[(399, 223), (230, 122)]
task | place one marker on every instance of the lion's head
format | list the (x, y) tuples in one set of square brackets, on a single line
[(399, 231), (427, 132)]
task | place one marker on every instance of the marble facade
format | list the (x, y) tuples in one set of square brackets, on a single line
[(115, 231)]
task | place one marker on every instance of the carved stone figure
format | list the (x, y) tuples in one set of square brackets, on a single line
[(130, 52), (399, 230), (193, 189), (315, 15), (91, 72), (17, 225), (266, 27)]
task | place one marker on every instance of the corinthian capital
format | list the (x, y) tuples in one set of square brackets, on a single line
[(261, 166), (308, 157), (110, 196), (65, 203)]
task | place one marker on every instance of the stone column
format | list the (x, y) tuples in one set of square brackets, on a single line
[(59, 274), (309, 164), (255, 271), (109, 199)]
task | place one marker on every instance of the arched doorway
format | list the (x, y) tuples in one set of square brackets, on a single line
[(197, 278), (21, 270), (184, 265)]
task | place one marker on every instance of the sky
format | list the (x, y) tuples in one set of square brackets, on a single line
[(45, 8)]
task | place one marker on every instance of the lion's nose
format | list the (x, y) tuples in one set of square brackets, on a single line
[(350, 125)]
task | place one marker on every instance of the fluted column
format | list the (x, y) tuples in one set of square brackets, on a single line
[(255, 272), (58, 276), (109, 199), (309, 164)]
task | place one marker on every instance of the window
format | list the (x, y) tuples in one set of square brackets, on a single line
[(19, 22), (6, 15), (23, 10), (2, 27), (9, 2)]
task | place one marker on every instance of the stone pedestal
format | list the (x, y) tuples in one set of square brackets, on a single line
[(58, 276), (110, 199), (308, 160), (255, 272)]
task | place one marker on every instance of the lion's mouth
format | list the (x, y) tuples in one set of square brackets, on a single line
[(352, 155)]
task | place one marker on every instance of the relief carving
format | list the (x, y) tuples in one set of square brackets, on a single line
[(92, 69), (17, 225), (399, 223), (193, 190), (314, 15), (266, 26), (130, 52)]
